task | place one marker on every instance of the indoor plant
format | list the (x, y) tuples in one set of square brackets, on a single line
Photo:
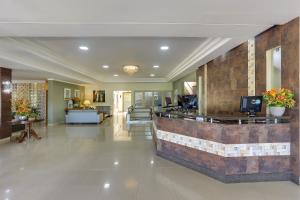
[(22, 109), (279, 99), (33, 114)]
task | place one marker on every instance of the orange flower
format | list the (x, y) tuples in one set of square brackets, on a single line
[(281, 97)]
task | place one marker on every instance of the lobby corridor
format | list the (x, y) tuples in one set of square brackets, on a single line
[(115, 162)]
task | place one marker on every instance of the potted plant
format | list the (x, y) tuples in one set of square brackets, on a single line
[(22, 109), (279, 99), (34, 113)]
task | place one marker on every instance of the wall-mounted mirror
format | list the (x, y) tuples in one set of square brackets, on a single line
[(273, 73), (190, 88)]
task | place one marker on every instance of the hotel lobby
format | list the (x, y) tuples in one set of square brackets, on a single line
[(149, 100)]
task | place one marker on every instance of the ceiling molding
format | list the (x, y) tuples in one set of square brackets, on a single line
[(28, 81), (62, 81), (205, 49), (20, 61), (136, 80), (47, 54)]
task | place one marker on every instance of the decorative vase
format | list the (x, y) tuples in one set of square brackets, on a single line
[(22, 118), (277, 111)]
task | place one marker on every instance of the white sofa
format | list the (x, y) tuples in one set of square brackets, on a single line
[(83, 116)]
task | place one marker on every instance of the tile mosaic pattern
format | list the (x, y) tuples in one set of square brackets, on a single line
[(251, 67), (226, 150)]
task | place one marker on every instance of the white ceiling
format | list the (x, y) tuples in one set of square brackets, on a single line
[(116, 52), (196, 30)]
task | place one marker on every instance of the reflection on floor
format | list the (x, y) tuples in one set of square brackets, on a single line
[(112, 161)]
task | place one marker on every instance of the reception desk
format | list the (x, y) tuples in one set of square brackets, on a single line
[(227, 149)]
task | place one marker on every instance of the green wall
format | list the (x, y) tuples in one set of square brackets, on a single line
[(56, 103)]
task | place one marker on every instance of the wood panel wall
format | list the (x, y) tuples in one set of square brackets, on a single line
[(5, 105)]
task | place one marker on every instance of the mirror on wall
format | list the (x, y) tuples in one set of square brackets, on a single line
[(273, 71), (200, 95), (190, 87)]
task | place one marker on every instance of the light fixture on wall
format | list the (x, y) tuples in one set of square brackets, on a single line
[(7, 87), (130, 69)]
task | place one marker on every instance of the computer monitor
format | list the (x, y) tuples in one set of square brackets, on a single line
[(190, 101), (251, 104)]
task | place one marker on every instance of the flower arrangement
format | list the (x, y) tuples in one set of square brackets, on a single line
[(279, 98), (22, 107)]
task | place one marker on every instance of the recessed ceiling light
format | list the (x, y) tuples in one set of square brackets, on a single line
[(152, 75), (105, 66), (164, 48), (116, 163), (83, 48), (116, 75), (106, 185), (156, 66), (152, 162)]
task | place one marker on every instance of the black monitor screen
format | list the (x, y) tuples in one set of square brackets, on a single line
[(190, 101), (251, 104)]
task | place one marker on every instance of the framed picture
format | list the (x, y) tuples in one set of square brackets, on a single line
[(99, 96), (67, 93), (77, 94)]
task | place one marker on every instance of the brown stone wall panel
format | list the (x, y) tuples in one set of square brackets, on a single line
[(232, 134), (236, 165), (227, 81), (179, 126), (274, 164), (263, 42), (209, 132), (279, 133), (199, 158), (290, 79), (252, 165)]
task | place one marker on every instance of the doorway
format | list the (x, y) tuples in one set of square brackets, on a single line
[(122, 100)]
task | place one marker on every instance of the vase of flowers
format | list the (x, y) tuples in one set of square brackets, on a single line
[(278, 100), (22, 109)]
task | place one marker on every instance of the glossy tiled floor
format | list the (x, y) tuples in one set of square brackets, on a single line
[(109, 162)]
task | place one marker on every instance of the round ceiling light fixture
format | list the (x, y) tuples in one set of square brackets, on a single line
[(83, 48), (131, 69), (164, 48)]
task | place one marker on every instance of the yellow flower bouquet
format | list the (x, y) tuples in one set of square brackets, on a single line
[(22, 107), (279, 98)]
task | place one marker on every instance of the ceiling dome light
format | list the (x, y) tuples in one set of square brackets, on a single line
[(131, 69), (164, 48), (84, 48), (156, 66), (105, 66), (116, 75), (152, 75)]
